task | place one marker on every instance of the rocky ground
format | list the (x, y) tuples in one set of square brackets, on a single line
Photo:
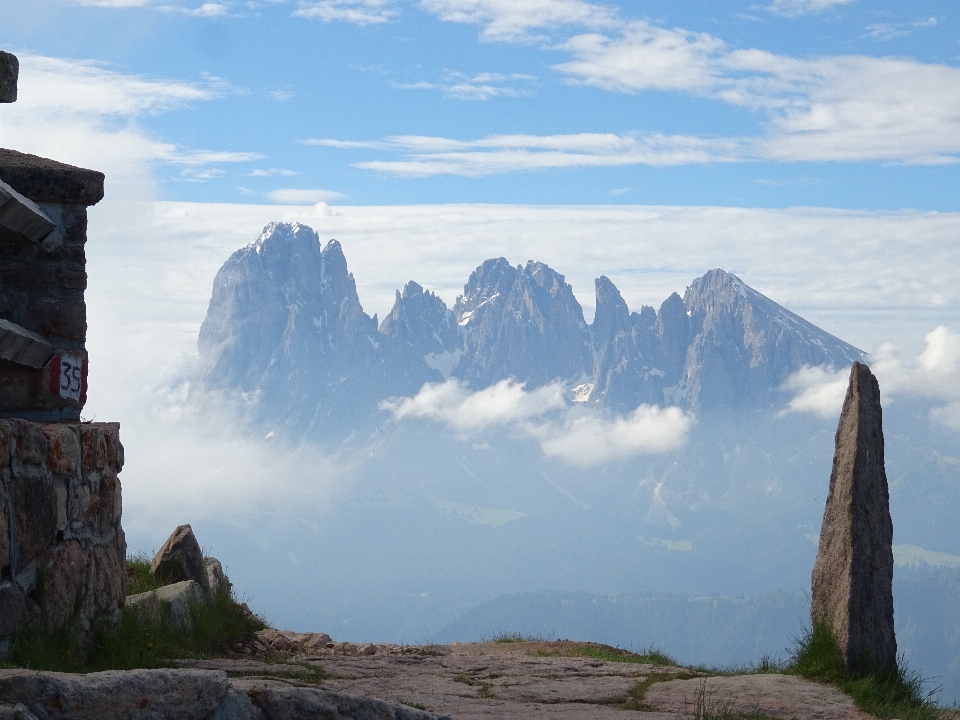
[(548, 680)]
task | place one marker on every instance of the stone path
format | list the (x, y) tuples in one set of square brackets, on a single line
[(545, 681)]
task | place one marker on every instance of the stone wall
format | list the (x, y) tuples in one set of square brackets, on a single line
[(62, 549), (42, 281)]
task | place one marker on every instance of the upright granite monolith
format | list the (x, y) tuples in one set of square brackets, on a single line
[(852, 586)]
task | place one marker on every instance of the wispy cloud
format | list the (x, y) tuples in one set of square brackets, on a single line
[(272, 172), (796, 8), (480, 86), (209, 9), (428, 156), (518, 20), (847, 108), (835, 109), (113, 3), (358, 12), (296, 196), (882, 32), (86, 114)]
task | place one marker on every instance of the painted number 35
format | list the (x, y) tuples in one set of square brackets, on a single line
[(71, 377)]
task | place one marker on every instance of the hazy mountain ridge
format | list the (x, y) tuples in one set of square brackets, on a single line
[(285, 327)]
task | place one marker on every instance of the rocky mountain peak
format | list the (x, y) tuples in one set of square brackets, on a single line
[(285, 325), (522, 323), (612, 315)]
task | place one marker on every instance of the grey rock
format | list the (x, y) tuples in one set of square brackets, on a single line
[(237, 705), (852, 583), (422, 342), (742, 345), (175, 600), (216, 577), (285, 320), (181, 559), (116, 694), (9, 73), (626, 370), (521, 323), (12, 605), (281, 701)]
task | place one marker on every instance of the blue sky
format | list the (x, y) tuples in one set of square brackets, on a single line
[(834, 103)]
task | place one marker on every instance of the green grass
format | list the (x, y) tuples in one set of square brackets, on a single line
[(139, 577), (611, 654), (516, 638), (887, 693), (139, 641)]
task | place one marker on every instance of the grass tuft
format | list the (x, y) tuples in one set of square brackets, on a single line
[(139, 577), (139, 641), (896, 692), (612, 654)]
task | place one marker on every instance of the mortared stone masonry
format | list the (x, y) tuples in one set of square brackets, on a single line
[(62, 548)]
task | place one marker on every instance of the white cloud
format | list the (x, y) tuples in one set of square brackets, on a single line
[(85, 114), (358, 12), (480, 86), (795, 8), (52, 86), (281, 95), (209, 9), (587, 437), (296, 196), (818, 390), (272, 172), (514, 20), (505, 403), (575, 435), (113, 3), (933, 374), (642, 57), (428, 156), (882, 32), (836, 109)]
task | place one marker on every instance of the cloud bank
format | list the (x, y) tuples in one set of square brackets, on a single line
[(934, 374), (576, 435)]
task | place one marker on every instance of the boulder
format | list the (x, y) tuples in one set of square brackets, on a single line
[(116, 694), (852, 583), (216, 577), (174, 600), (180, 559), (181, 694), (282, 701)]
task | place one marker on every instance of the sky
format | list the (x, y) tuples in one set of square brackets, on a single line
[(809, 146), (831, 103)]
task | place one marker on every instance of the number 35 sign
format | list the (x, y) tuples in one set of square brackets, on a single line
[(68, 377)]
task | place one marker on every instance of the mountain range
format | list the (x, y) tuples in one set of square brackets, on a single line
[(286, 332)]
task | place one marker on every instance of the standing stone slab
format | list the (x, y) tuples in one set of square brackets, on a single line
[(852, 584), (181, 559)]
